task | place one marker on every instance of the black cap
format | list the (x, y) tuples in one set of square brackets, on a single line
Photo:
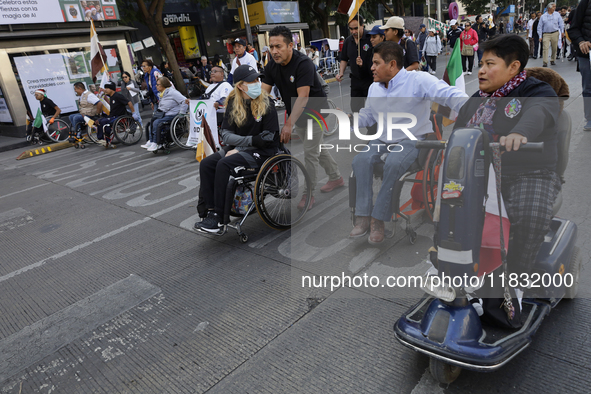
[(239, 41), (111, 86), (245, 73)]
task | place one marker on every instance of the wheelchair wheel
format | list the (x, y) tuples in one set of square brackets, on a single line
[(179, 131), (331, 120), (432, 164), (58, 131), (127, 131), (279, 187), (91, 134)]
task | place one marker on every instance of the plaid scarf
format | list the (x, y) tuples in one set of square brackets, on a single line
[(485, 112)]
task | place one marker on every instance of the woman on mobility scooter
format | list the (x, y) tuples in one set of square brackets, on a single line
[(524, 115), (515, 109), (250, 133)]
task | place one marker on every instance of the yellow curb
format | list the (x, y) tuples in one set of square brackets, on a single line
[(45, 149)]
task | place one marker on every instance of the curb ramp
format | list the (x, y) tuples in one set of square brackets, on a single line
[(41, 150)]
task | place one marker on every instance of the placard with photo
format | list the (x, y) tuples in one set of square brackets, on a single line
[(92, 10)]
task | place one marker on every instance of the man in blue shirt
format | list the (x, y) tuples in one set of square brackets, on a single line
[(411, 96), (548, 27)]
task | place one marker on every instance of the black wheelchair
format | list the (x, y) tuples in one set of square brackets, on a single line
[(174, 132), (274, 191), (125, 130), (422, 175)]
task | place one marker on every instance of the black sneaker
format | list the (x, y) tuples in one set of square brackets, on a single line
[(211, 223)]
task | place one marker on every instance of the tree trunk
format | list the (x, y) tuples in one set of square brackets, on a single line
[(153, 19), (322, 17)]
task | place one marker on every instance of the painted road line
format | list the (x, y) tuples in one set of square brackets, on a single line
[(41, 339), (98, 239), (24, 190)]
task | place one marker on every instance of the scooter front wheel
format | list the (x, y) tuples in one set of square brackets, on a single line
[(443, 372)]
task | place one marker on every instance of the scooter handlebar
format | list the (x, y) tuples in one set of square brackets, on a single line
[(529, 147), (441, 144)]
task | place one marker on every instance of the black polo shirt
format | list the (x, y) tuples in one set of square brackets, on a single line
[(349, 54), (299, 72), (47, 107), (118, 105)]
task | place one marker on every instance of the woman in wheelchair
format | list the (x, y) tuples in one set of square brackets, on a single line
[(250, 133), (171, 103)]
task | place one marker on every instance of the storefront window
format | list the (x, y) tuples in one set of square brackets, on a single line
[(57, 71)]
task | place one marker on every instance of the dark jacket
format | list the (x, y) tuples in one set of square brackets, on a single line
[(534, 33), (532, 110), (421, 37), (580, 29), (453, 35), (482, 31)]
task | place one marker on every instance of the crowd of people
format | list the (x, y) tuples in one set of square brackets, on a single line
[(381, 63)]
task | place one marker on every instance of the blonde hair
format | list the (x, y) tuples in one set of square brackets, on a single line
[(258, 106)]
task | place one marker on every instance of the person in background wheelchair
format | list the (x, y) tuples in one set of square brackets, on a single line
[(170, 103), (506, 108), (414, 91), (117, 104), (218, 90), (48, 108), (90, 106), (250, 133)]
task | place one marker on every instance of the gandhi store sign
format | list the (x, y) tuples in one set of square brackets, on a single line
[(184, 19)]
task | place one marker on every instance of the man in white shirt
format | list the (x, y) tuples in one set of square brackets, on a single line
[(530, 25), (242, 57), (549, 29), (411, 94), (89, 105), (218, 90)]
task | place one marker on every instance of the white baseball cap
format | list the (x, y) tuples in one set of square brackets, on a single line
[(453, 22), (394, 22)]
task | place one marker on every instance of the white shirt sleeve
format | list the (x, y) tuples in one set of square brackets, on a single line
[(92, 99), (234, 65)]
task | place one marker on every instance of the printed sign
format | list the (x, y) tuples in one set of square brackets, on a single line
[(56, 11), (201, 110)]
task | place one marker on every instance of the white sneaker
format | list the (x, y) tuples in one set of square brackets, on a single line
[(102, 142), (146, 145), (154, 147), (469, 72)]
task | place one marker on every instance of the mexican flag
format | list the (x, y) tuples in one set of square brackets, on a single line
[(454, 77), (40, 121), (349, 7), (453, 72)]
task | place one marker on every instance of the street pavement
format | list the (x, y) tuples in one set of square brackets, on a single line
[(107, 289)]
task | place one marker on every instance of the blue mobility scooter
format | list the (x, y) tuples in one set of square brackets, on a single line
[(444, 325)]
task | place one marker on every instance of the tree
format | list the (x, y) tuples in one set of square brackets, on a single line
[(149, 12)]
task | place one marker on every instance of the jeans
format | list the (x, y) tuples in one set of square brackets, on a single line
[(75, 120), (154, 129), (585, 70), (105, 126), (431, 62), (314, 156), (395, 165), (470, 63), (479, 52), (136, 114)]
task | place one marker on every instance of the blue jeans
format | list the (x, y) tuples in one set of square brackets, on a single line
[(585, 70), (76, 119), (479, 52), (397, 162), (154, 129), (104, 128), (136, 114)]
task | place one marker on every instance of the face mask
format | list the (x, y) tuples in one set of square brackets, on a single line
[(254, 90)]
